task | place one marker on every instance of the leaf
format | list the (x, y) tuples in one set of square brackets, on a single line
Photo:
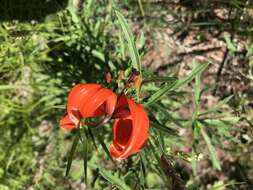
[(113, 179), (231, 47), (142, 172), (160, 140), (157, 95), (198, 69), (211, 149), (72, 11), (159, 79), (168, 115), (85, 150), (197, 90), (152, 147), (135, 57), (7, 87), (194, 161), (92, 137), (177, 84), (71, 154), (218, 106), (101, 141), (162, 128), (141, 8), (122, 47)]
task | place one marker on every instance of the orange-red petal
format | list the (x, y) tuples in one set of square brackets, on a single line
[(78, 96), (67, 124), (131, 132), (102, 103), (88, 100)]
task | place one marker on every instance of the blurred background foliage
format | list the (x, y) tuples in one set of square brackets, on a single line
[(46, 47)]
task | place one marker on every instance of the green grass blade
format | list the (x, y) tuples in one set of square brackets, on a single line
[(71, 154), (211, 149), (135, 57)]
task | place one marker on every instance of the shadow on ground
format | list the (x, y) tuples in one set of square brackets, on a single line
[(28, 10)]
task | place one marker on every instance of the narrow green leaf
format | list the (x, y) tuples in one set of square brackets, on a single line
[(160, 141), (177, 84), (197, 89), (194, 161), (98, 55), (135, 57), (113, 179), (141, 8), (73, 13), (156, 96), (218, 106), (211, 149), (198, 69), (230, 45), (101, 141), (71, 154), (7, 87), (159, 79), (153, 149), (85, 144), (163, 128), (168, 114), (142, 172), (92, 137), (122, 47)]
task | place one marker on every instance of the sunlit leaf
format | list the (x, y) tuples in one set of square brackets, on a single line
[(135, 57)]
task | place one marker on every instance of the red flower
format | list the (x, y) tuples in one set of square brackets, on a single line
[(131, 125), (87, 100), (130, 129)]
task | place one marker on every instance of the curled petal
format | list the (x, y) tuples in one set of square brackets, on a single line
[(67, 124), (88, 100), (130, 132), (102, 103), (78, 96)]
